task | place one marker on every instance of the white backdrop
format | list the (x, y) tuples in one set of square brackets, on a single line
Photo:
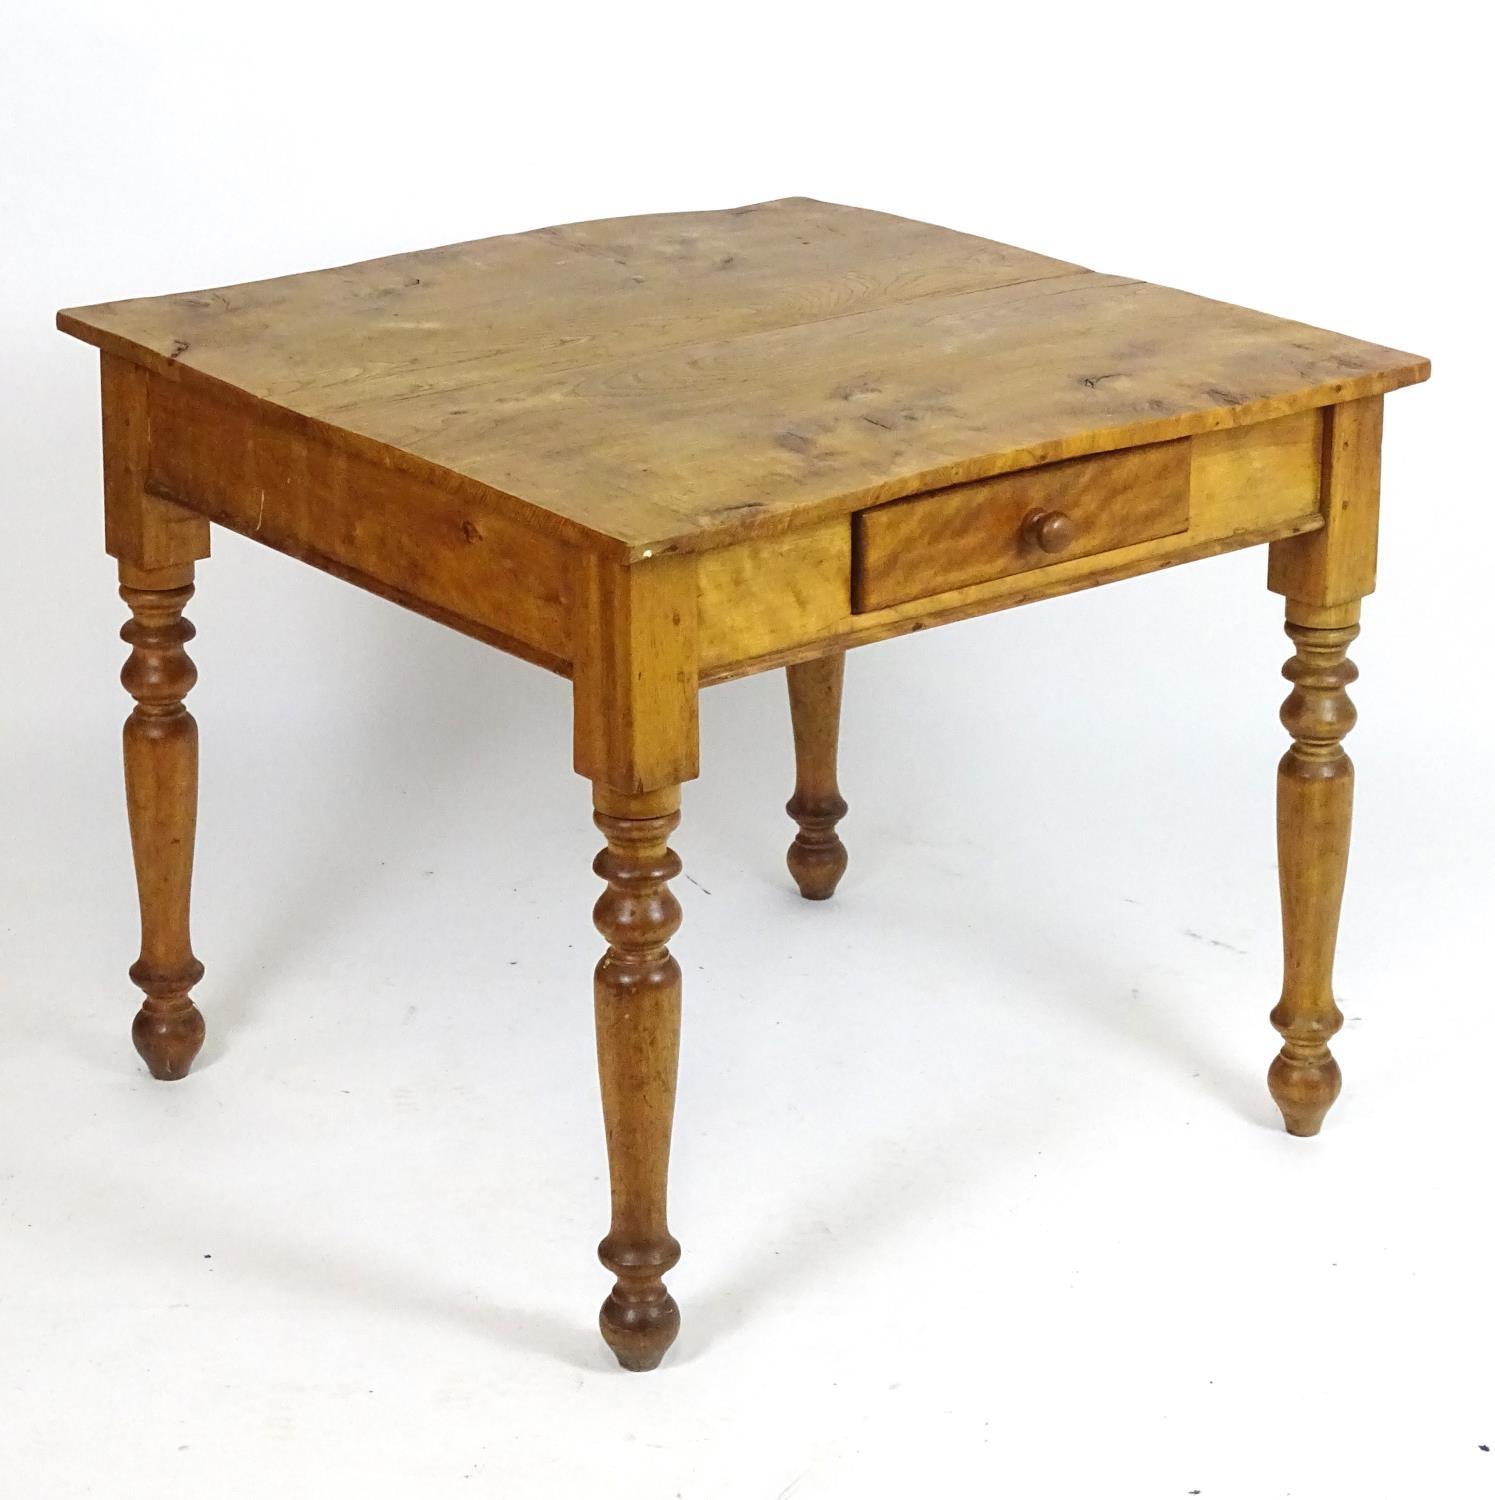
[(978, 1182)]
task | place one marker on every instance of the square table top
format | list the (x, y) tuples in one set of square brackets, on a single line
[(676, 382)]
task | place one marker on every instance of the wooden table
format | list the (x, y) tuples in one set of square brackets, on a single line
[(652, 454)]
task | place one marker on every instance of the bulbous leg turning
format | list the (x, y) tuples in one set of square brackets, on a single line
[(1315, 787), (639, 1318), (817, 857), (637, 997), (160, 754), (168, 1030)]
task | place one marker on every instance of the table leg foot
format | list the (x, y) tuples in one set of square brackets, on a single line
[(160, 754), (639, 1319), (817, 857), (1315, 786), (1304, 1089), (168, 1032), (637, 997)]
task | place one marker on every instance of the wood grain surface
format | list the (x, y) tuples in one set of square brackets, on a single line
[(678, 382), (774, 601), (910, 549), (661, 452)]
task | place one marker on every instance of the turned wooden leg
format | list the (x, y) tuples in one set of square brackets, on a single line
[(1315, 785), (637, 992), (160, 745), (817, 857)]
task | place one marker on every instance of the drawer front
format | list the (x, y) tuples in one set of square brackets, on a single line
[(971, 533)]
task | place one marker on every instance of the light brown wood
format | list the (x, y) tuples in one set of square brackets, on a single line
[(681, 382), (1338, 566), (437, 545), (651, 454), (636, 674), (817, 857), (637, 996), (913, 549), (156, 544), (140, 528), (1254, 476), (1315, 787), (763, 596), (1247, 485), (160, 750), (1323, 576)]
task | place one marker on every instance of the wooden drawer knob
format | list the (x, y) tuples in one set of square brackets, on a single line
[(1049, 530)]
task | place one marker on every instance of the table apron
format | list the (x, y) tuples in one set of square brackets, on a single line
[(448, 551), (767, 603)]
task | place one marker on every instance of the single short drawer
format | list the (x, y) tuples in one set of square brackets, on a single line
[(971, 533)]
